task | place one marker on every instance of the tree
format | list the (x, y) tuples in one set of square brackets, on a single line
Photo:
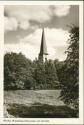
[(17, 71), (39, 75), (59, 66), (51, 75), (70, 70)]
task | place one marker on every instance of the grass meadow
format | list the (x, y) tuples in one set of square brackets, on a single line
[(37, 104)]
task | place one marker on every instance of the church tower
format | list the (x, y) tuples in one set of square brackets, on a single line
[(43, 48)]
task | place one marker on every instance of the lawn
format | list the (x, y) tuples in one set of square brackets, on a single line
[(37, 104)]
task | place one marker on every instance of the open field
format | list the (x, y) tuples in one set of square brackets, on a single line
[(40, 103)]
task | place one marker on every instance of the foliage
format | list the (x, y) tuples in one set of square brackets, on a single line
[(22, 73), (70, 70), (38, 110), (45, 75), (51, 74), (17, 71), (39, 75), (58, 67)]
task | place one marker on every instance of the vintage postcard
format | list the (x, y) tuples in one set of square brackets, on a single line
[(41, 66)]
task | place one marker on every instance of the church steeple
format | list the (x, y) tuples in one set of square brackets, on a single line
[(43, 49)]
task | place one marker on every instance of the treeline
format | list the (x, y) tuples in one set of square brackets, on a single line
[(22, 73)]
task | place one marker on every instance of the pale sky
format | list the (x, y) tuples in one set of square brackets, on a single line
[(23, 29)]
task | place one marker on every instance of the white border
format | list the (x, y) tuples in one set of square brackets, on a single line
[(41, 2), (37, 120)]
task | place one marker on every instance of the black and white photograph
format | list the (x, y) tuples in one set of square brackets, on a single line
[(41, 61)]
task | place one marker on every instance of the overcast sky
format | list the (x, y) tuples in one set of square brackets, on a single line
[(23, 29)]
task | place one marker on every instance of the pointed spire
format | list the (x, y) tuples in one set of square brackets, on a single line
[(43, 48)]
